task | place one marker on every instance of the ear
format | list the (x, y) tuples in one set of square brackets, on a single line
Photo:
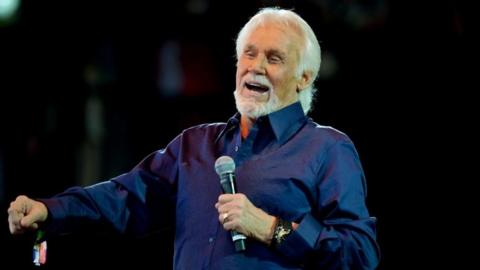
[(304, 80)]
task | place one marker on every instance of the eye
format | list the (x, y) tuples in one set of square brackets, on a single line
[(275, 59), (249, 53)]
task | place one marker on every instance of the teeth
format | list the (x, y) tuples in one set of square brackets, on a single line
[(258, 85)]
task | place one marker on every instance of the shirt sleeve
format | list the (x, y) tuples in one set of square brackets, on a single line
[(124, 203), (338, 233)]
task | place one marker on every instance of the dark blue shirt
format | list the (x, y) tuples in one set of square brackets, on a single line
[(289, 166)]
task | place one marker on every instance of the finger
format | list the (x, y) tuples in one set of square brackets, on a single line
[(15, 207), (222, 209), (232, 219), (241, 199), (11, 225), (224, 217), (21, 204), (227, 226), (16, 212), (224, 198), (34, 226), (14, 217), (30, 219), (231, 224), (14, 224)]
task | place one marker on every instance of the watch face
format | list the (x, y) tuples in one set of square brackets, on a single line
[(283, 233), (283, 229)]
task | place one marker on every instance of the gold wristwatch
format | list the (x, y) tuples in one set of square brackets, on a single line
[(282, 230)]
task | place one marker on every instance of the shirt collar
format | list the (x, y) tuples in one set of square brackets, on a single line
[(232, 123), (284, 122)]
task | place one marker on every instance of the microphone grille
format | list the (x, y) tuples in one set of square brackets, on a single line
[(224, 164)]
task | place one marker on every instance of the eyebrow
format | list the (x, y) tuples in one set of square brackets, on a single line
[(249, 47)]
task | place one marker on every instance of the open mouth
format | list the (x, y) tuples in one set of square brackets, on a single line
[(257, 87)]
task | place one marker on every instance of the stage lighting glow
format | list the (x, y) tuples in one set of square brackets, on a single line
[(8, 8)]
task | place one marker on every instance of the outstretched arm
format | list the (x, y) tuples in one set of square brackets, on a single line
[(124, 203)]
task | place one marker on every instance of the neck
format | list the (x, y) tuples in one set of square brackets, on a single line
[(246, 124)]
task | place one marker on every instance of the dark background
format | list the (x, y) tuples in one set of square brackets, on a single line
[(88, 88)]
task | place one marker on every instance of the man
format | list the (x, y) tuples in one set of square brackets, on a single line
[(301, 188)]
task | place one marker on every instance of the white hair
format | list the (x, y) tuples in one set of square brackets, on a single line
[(310, 54)]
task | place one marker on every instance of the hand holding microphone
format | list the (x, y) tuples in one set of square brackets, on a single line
[(225, 168), (237, 213)]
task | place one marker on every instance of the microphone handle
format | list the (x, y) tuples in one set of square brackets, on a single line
[(239, 241), (228, 186), (228, 183)]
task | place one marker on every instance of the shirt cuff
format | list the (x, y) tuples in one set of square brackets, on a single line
[(56, 214), (302, 240)]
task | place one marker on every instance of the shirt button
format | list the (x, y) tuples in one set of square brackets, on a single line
[(210, 240), (236, 148)]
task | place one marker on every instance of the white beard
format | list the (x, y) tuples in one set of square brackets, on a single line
[(253, 109)]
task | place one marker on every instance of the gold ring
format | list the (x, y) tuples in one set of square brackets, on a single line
[(224, 217)]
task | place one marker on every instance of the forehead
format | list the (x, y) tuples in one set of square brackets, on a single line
[(273, 36)]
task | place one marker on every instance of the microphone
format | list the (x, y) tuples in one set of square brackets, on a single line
[(225, 168)]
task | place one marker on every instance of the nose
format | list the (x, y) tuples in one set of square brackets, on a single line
[(257, 65)]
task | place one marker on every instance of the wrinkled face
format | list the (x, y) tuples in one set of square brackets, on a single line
[(266, 78)]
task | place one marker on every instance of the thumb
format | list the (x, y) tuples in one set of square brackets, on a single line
[(36, 214), (30, 221)]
